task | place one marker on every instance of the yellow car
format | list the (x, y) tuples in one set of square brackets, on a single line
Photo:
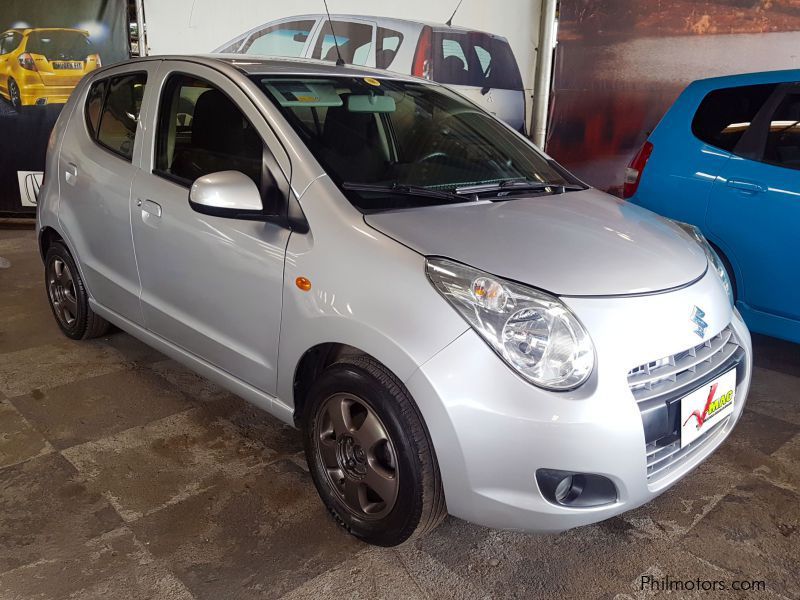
[(42, 66)]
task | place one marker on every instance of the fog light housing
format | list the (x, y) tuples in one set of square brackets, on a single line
[(575, 490), (41, 101)]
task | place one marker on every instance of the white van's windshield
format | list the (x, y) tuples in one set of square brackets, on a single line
[(395, 144)]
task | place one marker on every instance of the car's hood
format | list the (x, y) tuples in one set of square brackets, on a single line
[(583, 243)]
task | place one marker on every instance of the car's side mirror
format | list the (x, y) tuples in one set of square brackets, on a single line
[(230, 194)]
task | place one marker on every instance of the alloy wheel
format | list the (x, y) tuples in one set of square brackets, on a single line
[(358, 457), (13, 92), (61, 288)]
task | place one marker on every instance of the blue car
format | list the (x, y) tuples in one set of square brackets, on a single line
[(726, 158)]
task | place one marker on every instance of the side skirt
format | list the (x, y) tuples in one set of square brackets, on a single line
[(258, 398)]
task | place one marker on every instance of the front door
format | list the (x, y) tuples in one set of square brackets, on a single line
[(755, 208), (210, 285)]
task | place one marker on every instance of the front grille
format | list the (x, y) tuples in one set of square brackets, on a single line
[(663, 460), (658, 387), (660, 377)]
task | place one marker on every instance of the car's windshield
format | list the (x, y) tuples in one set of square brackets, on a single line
[(402, 136)]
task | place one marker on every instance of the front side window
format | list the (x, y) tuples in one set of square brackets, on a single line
[(475, 59), (120, 114), (726, 114), (355, 42), (400, 133), (783, 140), (202, 131), (285, 39)]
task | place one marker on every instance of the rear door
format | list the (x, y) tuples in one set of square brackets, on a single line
[(8, 43), (754, 207), (482, 67), (98, 158)]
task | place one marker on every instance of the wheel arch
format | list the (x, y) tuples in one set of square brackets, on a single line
[(47, 237), (312, 363), (734, 275)]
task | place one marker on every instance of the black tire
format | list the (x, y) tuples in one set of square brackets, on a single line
[(14, 95), (418, 505), (68, 298)]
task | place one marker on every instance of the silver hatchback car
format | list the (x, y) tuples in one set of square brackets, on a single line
[(455, 322)]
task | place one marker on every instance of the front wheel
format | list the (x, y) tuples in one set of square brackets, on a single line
[(369, 454)]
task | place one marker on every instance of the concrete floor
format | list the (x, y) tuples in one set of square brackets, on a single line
[(123, 475)]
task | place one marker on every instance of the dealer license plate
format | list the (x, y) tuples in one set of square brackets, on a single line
[(707, 406)]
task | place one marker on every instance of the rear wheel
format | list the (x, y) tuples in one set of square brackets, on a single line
[(369, 453), (14, 94), (68, 298)]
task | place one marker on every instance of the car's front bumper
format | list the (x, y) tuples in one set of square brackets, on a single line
[(492, 430)]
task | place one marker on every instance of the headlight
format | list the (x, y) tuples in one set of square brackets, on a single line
[(712, 255), (536, 334)]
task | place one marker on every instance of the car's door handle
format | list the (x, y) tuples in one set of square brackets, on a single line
[(746, 185), (71, 173), (150, 207)]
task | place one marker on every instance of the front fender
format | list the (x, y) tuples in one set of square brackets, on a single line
[(367, 291)]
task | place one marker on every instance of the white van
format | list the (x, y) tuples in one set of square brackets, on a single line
[(479, 65)]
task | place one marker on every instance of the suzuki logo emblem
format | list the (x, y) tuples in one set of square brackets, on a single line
[(697, 319)]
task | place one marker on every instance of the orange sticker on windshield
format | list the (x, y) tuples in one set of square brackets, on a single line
[(371, 81)]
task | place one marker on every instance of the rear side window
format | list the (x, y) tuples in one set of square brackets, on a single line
[(94, 105), (726, 114), (120, 114), (475, 59), (783, 140), (285, 39), (202, 131), (10, 42), (355, 42)]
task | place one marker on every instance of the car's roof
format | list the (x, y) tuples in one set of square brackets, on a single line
[(764, 77), (389, 21), (256, 65), (27, 30)]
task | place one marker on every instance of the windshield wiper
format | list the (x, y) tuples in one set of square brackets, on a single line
[(515, 185), (406, 190)]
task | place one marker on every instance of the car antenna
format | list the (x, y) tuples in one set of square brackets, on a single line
[(340, 60), (449, 21)]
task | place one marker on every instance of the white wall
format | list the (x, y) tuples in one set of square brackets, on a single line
[(197, 26)]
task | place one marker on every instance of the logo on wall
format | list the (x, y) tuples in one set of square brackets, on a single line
[(29, 184)]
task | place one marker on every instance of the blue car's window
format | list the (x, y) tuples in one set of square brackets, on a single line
[(783, 140), (725, 115)]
